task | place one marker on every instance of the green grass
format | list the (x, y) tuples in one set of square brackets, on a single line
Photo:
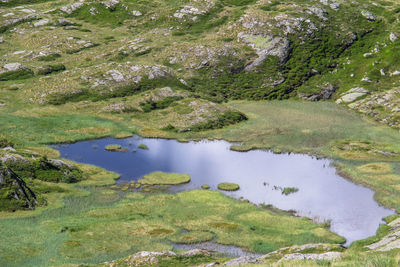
[(205, 186), (143, 146), (164, 178), (289, 190), (228, 187), (116, 148)]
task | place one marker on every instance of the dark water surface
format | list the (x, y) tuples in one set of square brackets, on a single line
[(322, 195)]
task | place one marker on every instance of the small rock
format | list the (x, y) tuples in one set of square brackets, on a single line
[(65, 22), (393, 37), (368, 15), (116, 76), (41, 22), (12, 67), (136, 13)]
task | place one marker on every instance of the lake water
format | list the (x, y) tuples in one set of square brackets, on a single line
[(322, 195)]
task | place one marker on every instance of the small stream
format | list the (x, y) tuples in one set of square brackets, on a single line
[(322, 194)]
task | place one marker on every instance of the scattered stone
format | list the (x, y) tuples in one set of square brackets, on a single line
[(157, 73), (115, 75), (393, 37), (41, 22), (245, 260), (136, 13), (323, 256), (368, 15), (65, 22), (71, 8), (331, 3), (12, 67), (110, 4), (319, 12)]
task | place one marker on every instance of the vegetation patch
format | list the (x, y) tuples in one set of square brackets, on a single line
[(143, 146), (289, 190), (375, 168), (228, 187), (164, 178), (205, 186), (116, 148)]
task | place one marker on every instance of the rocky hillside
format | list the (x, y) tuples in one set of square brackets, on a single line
[(56, 52)]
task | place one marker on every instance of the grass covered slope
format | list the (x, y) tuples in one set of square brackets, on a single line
[(216, 50)]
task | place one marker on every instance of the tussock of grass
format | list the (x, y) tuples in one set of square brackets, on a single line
[(163, 178), (116, 148), (143, 146), (289, 190), (228, 186)]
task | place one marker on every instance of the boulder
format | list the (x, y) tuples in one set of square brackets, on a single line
[(12, 67)]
